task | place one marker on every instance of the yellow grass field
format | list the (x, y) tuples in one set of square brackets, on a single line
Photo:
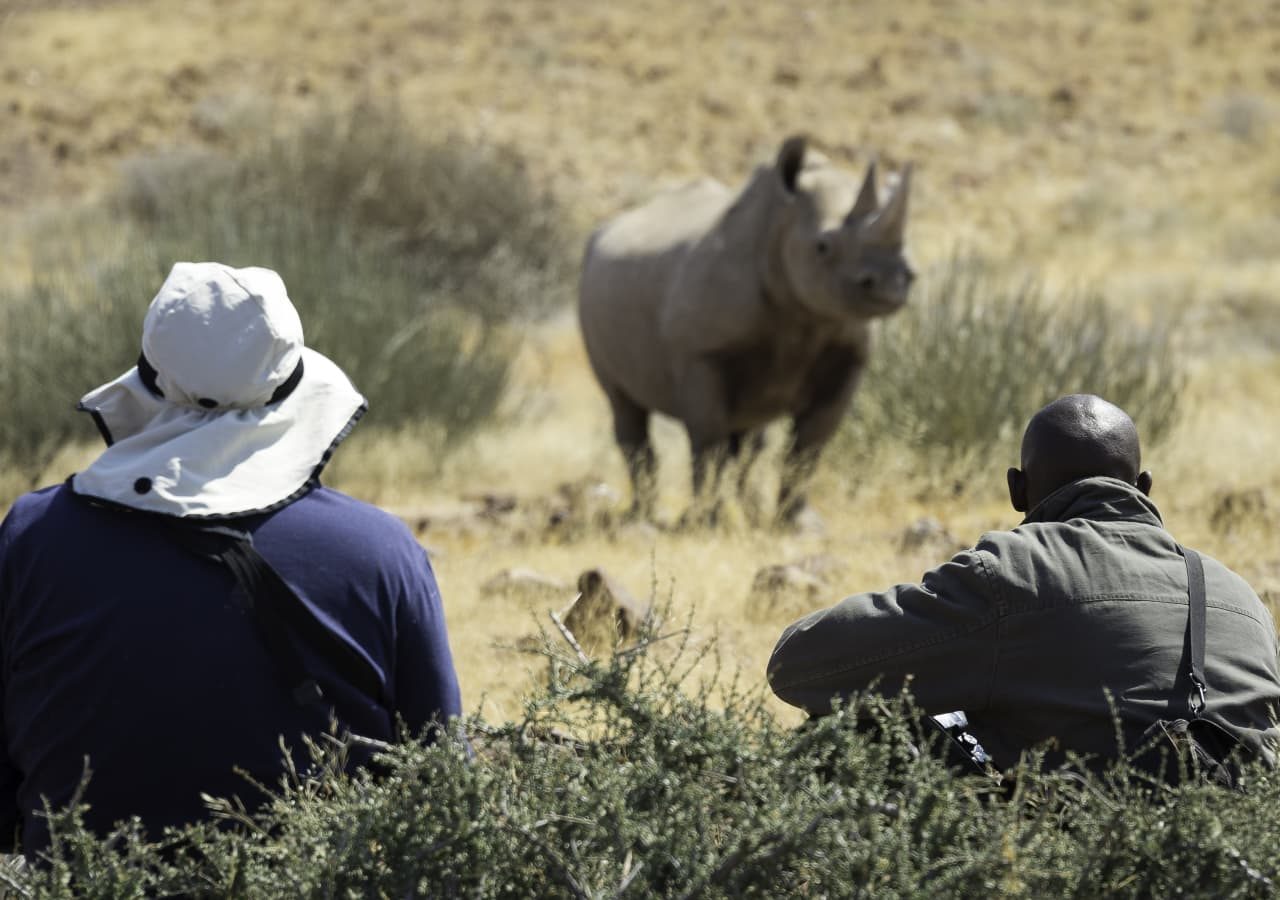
[(1131, 146)]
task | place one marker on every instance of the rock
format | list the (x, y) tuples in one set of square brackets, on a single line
[(582, 506), (525, 584), (1063, 96), (783, 590), (493, 505), (604, 613), (931, 535), (454, 518), (823, 566), (789, 577)]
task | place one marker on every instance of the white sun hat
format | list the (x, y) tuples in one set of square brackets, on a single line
[(227, 412)]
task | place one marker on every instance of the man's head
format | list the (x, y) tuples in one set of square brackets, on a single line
[(227, 412), (1074, 437)]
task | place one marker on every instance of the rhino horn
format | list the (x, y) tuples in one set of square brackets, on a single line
[(867, 200), (791, 160), (889, 223)]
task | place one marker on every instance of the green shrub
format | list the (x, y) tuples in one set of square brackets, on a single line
[(626, 778), (70, 330), (974, 354), (413, 263), (460, 220)]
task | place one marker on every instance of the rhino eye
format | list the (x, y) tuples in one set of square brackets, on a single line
[(823, 247)]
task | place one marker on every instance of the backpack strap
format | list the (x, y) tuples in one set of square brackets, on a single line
[(1196, 626), (280, 613), (1210, 749)]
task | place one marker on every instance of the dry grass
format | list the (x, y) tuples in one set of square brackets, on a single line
[(1128, 146)]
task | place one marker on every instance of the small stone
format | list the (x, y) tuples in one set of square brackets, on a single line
[(928, 534), (524, 583), (786, 75), (823, 566), (783, 591), (492, 504), (583, 506), (1063, 95)]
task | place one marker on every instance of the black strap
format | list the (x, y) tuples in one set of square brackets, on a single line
[(280, 612), (150, 379), (1196, 627)]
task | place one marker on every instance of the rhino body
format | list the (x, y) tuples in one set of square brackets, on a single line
[(728, 310)]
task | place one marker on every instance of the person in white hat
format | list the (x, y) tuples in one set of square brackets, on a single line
[(195, 593)]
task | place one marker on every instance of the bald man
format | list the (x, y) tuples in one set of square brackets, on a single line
[(1036, 632)]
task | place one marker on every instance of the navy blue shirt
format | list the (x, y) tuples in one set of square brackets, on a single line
[(120, 645)]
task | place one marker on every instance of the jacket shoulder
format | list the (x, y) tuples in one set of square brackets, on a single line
[(1226, 587), (329, 503), (1014, 561), (328, 518), (34, 508), (1005, 547)]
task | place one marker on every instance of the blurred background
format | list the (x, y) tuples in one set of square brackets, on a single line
[(1096, 208)]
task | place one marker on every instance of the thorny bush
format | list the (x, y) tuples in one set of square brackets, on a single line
[(634, 776)]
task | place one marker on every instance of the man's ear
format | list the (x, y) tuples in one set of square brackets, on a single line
[(1144, 483), (1018, 490)]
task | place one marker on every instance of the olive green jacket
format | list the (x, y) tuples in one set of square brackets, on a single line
[(1029, 632)]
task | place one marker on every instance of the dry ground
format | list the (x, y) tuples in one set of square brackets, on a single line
[(1128, 145)]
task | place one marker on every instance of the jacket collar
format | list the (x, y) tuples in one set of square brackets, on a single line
[(1099, 499)]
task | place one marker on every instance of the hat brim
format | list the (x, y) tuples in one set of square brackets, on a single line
[(183, 461)]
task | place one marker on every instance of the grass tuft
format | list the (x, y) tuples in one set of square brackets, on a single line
[(414, 264), (959, 372)]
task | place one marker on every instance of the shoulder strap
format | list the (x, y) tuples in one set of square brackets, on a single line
[(280, 612), (1196, 626)]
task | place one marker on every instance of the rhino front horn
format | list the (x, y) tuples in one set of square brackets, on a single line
[(889, 224), (867, 200)]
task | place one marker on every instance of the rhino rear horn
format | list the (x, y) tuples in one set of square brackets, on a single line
[(867, 200), (791, 160), (890, 222)]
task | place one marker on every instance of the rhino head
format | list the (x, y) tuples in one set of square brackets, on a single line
[(840, 251)]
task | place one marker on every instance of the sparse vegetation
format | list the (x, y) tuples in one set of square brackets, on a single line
[(619, 780), (413, 264), (976, 352)]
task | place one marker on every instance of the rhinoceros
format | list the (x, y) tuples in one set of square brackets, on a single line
[(727, 311)]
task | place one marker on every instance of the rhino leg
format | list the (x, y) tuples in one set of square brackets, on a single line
[(835, 379), (711, 442), (746, 448), (631, 431), (709, 461)]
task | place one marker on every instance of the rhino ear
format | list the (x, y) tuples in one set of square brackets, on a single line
[(867, 200), (791, 161), (889, 224)]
